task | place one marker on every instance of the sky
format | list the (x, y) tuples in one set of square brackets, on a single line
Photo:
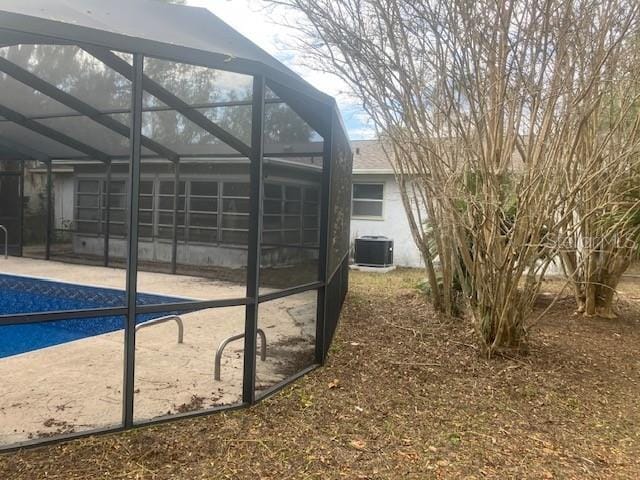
[(250, 18)]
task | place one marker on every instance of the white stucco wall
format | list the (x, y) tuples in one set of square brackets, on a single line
[(63, 191), (394, 223)]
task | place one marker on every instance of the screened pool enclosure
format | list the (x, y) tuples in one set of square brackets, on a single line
[(175, 205)]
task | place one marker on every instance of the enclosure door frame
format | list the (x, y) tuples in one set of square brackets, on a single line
[(15, 233)]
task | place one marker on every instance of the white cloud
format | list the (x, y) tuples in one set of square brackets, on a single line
[(246, 16), (253, 20), (363, 133)]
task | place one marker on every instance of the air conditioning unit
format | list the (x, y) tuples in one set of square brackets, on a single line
[(374, 251)]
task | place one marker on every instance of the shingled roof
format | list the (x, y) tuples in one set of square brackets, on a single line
[(369, 158)]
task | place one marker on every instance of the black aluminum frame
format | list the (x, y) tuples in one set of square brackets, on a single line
[(317, 109)]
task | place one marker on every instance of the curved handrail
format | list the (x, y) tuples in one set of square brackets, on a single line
[(228, 340), (6, 241), (166, 319)]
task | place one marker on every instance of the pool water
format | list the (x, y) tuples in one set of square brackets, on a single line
[(19, 295)]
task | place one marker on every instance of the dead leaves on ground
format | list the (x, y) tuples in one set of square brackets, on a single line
[(405, 395)]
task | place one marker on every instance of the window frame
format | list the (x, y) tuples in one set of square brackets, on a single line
[(303, 205), (191, 213), (77, 207), (302, 216), (371, 200), (223, 213), (159, 211)]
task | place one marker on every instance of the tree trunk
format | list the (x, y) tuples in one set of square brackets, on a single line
[(591, 285), (601, 284), (608, 284)]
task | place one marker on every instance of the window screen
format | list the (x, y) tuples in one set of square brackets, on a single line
[(235, 212), (203, 211), (166, 198), (209, 211), (368, 199), (91, 203), (291, 214)]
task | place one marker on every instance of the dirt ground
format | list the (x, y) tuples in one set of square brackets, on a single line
[(406, 395)]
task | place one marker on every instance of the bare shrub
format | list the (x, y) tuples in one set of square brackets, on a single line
[(484, 106)]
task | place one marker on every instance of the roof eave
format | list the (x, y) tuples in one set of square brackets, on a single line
[(373, 171)]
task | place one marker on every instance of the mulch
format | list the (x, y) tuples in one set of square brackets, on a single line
[(406, 394)]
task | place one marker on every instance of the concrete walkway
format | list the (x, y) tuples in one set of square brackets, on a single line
[(77, 386)]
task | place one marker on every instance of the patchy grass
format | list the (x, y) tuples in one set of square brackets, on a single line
[(405, 395)]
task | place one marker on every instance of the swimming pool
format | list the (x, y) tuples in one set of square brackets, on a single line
[(19, 295)]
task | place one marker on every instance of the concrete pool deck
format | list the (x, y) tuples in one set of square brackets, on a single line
[(77, 386)]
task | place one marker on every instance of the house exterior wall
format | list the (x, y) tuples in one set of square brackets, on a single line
[(63, 194), (35, 185), (202, 255), (393, 224)]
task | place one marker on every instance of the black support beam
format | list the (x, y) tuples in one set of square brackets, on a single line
[(107, 214), (254, 250), (24, 150), (176, 203), (51, 91), (132, 245), (49, 221), (316, 114), (323, 257), (21, 211), (113, 61), (52, 134), (155, 108)]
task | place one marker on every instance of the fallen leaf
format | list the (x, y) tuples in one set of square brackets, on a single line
[(358, 444)]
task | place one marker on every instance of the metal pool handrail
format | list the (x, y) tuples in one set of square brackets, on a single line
[(6, 241), (166, 319), (227, 341)]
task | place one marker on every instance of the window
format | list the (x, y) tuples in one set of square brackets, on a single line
[(166, 205), (290, 215), (209, 211), (91, 211), (272, 216), (368, 199), (311, 211), (88, 206), (117, 208), (235, 212), (145, 211), (203, 211)]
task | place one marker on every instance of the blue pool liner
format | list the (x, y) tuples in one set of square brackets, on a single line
[(20, 295)]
